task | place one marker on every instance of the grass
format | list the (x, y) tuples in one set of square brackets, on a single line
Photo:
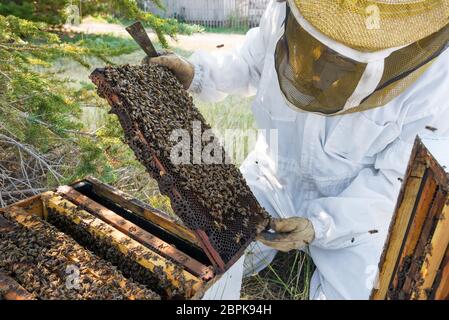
[(286, 278), (183, 28), (232, 113), (226, 30), (105, 44)]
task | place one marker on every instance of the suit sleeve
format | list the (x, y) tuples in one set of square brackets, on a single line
[(234, 72)]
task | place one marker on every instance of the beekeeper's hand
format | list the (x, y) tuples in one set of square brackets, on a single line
[(182, 68), (289, 234)]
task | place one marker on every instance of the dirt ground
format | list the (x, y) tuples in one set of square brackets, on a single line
[(198, 41)]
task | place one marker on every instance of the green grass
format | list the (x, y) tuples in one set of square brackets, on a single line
[(226, 30), (231, 113), (183, 28), (286, 278), (102, 44)]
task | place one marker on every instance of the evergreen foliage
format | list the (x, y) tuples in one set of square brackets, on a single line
[(56, 12), (43, 142)]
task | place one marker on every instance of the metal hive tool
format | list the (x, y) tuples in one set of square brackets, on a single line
[(150, 103)]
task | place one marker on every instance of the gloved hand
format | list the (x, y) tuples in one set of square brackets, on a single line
[(289, 234), (182, 69)]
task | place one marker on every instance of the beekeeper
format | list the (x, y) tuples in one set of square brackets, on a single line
[(347, 85)]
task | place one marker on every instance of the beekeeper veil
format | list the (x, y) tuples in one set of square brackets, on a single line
[(342, 56)]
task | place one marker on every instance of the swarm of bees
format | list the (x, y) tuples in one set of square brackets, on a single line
[(151, 104), (51, 265), (103, 247)]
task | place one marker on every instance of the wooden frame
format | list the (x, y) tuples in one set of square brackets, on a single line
[(415, 261), (144, 210), (137, 233), (11, 290), (125, 235), (125, 244)]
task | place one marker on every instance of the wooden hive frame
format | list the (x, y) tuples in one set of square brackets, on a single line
[(11, 290), (148, 250), (415, 261)]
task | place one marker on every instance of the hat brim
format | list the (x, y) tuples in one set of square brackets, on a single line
[(368, 25)]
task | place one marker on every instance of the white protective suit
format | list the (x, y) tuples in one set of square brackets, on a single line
[(342, 172)]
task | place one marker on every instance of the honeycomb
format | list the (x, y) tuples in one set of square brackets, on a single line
[(37, 257), (150, 104)]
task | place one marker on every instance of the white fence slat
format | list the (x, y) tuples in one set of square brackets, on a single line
[(212, 13)]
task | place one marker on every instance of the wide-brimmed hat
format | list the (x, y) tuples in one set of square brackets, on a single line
[(372, 25)]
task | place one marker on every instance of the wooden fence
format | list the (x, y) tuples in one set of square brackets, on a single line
[(237, 14)]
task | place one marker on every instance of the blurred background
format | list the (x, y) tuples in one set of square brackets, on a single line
[(233, 14)]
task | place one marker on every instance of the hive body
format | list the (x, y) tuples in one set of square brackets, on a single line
[(118, 247), (37, 255), (415, 261)]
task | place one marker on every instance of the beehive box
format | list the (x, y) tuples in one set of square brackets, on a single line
[(415, 261), (143, 243)]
